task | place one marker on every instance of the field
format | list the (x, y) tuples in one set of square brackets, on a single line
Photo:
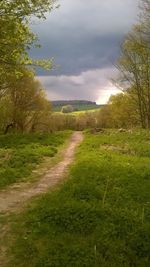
[(99, 217), (79, 108), (77, 113), (21, 154), (85, 111)]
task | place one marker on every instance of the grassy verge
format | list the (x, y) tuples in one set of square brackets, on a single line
[(22, 155), (99, 217)]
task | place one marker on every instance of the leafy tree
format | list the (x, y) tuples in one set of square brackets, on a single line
[(134, 66), (16, 37), (67, 109), (5, 112), (26, 8), (120, 112), (123, 111), (104, 117), (27, 103)]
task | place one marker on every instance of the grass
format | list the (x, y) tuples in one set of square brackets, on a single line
[(77, 113), (85, 111), (21, 154), (100, 216), (82, 107)]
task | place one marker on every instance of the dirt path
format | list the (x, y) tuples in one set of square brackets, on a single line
[(12, 199)]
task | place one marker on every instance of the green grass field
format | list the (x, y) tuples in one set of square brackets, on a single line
[(99, 217), (79, 108), (77, 113), (21, 154), (85, 111)]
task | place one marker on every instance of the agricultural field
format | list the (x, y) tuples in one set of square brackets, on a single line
[(21, 154), (99, 217), (85, 111), (78, 106), (76, 113)]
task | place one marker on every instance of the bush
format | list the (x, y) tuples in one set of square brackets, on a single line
[(67, 109)]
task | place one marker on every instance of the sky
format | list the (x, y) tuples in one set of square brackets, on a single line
[(84, 38)]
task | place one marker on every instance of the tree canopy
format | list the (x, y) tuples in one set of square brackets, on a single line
[(134, 65), (22, 99), (16, 36)]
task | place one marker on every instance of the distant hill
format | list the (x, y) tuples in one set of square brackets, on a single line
[(78, 105)]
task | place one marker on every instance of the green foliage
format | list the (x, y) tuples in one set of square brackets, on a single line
[(20, 154), (17, 38), (24, 107), (26, 8), (120, 111), (134, 67), (80, 120), (78, 105), (67, 109), (100, 216)]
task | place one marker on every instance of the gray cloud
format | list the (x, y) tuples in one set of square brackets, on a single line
[(82, 36), (90, 85)]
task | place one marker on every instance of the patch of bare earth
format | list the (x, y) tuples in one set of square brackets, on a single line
[(12, 199)]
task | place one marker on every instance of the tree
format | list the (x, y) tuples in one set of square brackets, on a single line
[(145, 20), (134, 66), (26, 8), (120, 112), (104, 117), (67, 109), (5, 113), (27, 103), (123, 111), (16, 37)]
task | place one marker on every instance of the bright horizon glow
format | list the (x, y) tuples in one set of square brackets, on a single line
[(94, 85), (106, 93)]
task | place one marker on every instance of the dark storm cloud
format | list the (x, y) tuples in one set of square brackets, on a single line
[(73, 58), (83, 35)]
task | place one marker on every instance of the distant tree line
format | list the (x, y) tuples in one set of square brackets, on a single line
[(72, 102)]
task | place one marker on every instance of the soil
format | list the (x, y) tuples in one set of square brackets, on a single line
[(16, 196)]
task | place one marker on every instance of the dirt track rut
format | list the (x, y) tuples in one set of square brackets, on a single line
[(12, 199)]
